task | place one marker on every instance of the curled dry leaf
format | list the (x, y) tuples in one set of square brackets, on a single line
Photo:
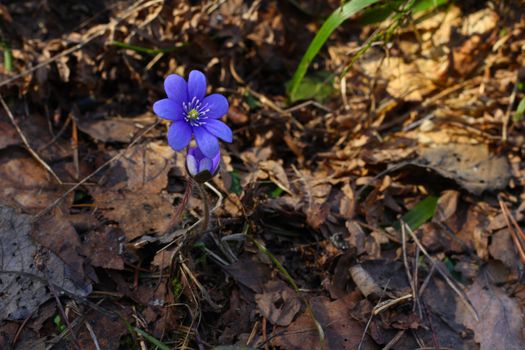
[(473, 167)]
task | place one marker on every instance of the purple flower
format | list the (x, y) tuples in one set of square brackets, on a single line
[(193, 113), (200, 167)]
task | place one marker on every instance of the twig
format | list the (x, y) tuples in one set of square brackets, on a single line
[(380, 307), (506, 118), (19, 330), (405, 262), (26, 143), (394, 340), (372, 316), (92, 334), (515, 230), (444, 274), (64, 316), (114, 158)]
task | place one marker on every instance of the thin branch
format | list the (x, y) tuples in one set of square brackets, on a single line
[(84, 180), (26, 143)]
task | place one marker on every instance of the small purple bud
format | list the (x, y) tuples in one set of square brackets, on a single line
[(200, 167)]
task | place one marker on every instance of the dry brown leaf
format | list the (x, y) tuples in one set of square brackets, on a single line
[(407, 81), (501, 322), (142, 169), (278, 303), (136, 213), (503, 248), (341, 331), (30, 266), (102, 248), (250, 273), (471, 166), (58, 235), (25, 183)]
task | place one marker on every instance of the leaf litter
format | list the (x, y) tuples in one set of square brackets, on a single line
[(422, 130)]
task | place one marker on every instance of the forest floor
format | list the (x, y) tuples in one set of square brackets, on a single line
[(381, 209)]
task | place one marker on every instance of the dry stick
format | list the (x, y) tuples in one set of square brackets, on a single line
[(26, 143), (64, 316), (405, 262), (371, 316), (444, 274), (19, 330), (92, 334), (506, 118), (394, 340), (81, 182), (514, 229)]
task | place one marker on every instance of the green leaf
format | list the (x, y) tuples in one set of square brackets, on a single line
[(317, 86), (335, 20), (152, 339), (420, 213), (235, 186), (520, 111)]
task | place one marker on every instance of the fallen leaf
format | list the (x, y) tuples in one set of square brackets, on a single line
[(501, 322), (102, 248), (278, 303), (24, 183), (25, 268), (473, 167), (57, 234), (250, 273), (114, 129), (502, 247), (142, 168), (341, 331), (136, 213)]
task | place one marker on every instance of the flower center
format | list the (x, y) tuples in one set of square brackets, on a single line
[(195, 112)]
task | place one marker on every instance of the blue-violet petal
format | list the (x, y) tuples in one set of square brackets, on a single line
[(176, 88), (217, 104), (208, 144), (179, 135), (219, 129), (196, 85), (168, 109)]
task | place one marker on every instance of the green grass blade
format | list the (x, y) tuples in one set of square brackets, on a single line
[(421, 212), (520, 111), (8, 56), (335, 20), (145, 50), (152, 339)]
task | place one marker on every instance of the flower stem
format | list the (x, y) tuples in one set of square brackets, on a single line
[(180, 208), (206, 214)]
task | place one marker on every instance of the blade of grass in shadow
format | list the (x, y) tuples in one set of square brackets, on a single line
[(335, 20), (145, 50), (8, 56), (420, 213), (152, 339), (382, 12), (290, 280)]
